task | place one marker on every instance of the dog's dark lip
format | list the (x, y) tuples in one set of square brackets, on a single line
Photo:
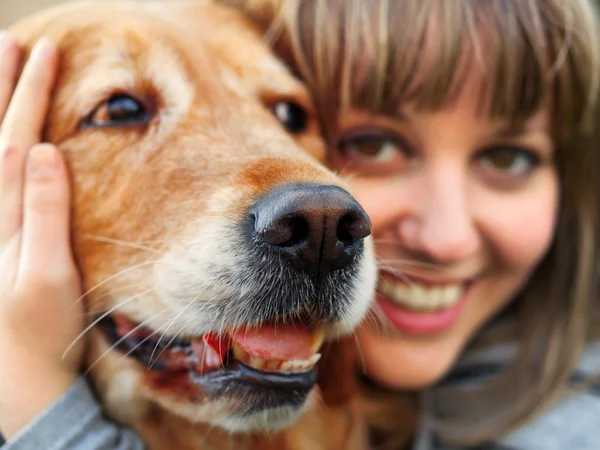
[(233, 377), (259, 390), (248, 375), (238, 376)]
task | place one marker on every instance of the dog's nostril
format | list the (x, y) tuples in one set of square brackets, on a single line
[(352, 226), (343, 231), (285, 232), (300, 231)]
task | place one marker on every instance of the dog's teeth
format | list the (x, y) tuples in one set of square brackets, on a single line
[(317, 340), (287, 366), (239, 354), (257, 363), (272, 365), (314, 359), (292, 366), (300, 365)]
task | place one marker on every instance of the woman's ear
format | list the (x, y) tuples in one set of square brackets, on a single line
[(337, 368)]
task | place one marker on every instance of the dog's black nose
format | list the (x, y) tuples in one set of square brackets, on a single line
[(318, 228)]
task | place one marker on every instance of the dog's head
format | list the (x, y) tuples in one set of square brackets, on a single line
[(216, 252)]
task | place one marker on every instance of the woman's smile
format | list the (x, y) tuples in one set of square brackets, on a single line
[(421, 305)]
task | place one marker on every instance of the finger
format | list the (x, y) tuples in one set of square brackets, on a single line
[(45, 240), (9, 65), (26, 114), (11, 204), (21, 129)]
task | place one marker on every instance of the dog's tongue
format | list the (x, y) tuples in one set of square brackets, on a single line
[(276, 342)]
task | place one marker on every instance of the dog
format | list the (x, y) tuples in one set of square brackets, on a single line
[(216, 251)]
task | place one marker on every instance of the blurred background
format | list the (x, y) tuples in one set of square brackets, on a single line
[(12, 10)]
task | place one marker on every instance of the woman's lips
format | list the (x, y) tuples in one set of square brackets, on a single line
[(421, 308)]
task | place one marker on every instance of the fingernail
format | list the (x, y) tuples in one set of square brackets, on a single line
[(43, 162)]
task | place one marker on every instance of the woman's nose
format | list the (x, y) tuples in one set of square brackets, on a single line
[(439, 223)]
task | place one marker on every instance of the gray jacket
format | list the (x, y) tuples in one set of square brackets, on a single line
[(571, 424)]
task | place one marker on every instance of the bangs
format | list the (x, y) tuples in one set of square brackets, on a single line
[(381, 54)]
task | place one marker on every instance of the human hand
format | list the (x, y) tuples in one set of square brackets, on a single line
[(40, 311)]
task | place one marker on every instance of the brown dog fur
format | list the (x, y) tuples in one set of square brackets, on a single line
[(152, 192)]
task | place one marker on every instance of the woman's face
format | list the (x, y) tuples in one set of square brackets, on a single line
[(463, 209)]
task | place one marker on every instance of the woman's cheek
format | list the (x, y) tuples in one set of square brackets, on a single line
[(520, 225)]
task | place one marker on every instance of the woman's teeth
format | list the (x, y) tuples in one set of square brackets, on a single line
[(274, 365), (418, 296)]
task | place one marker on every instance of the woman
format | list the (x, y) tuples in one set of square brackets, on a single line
[(466, 130)]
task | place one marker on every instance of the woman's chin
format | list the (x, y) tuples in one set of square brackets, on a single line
[(403, 362)]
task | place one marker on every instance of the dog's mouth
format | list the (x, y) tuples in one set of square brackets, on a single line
[(274, 363)]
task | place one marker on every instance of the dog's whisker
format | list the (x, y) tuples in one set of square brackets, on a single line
[(116, 275), (162, 351), (173, 320), (204, 436), (112, 293), (121, 340), (122, 243), (204, 350), (220, 332), (371, 318), (221, 329), (153, 241), (393, 242), (406, 264), (376, 319), (396, 273), (143, 340), (359, 349), (103, 316)]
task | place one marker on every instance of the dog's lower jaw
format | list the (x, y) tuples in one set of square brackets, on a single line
[(189, 428), (323, 428), (220, 415), (267, 421)]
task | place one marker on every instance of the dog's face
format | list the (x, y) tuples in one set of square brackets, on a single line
[(215, 250)]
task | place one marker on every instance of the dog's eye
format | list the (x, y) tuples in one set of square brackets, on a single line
[(292, 116), (118, 111)]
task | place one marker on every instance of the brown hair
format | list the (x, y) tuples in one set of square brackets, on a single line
[(370, 54)]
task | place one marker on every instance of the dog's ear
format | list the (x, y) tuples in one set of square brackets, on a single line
[(262, 12), (274, 20), (337, 371)]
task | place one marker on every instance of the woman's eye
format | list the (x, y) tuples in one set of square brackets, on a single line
[(509, 161), (292, 116), (118, 111), (370, 147)]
